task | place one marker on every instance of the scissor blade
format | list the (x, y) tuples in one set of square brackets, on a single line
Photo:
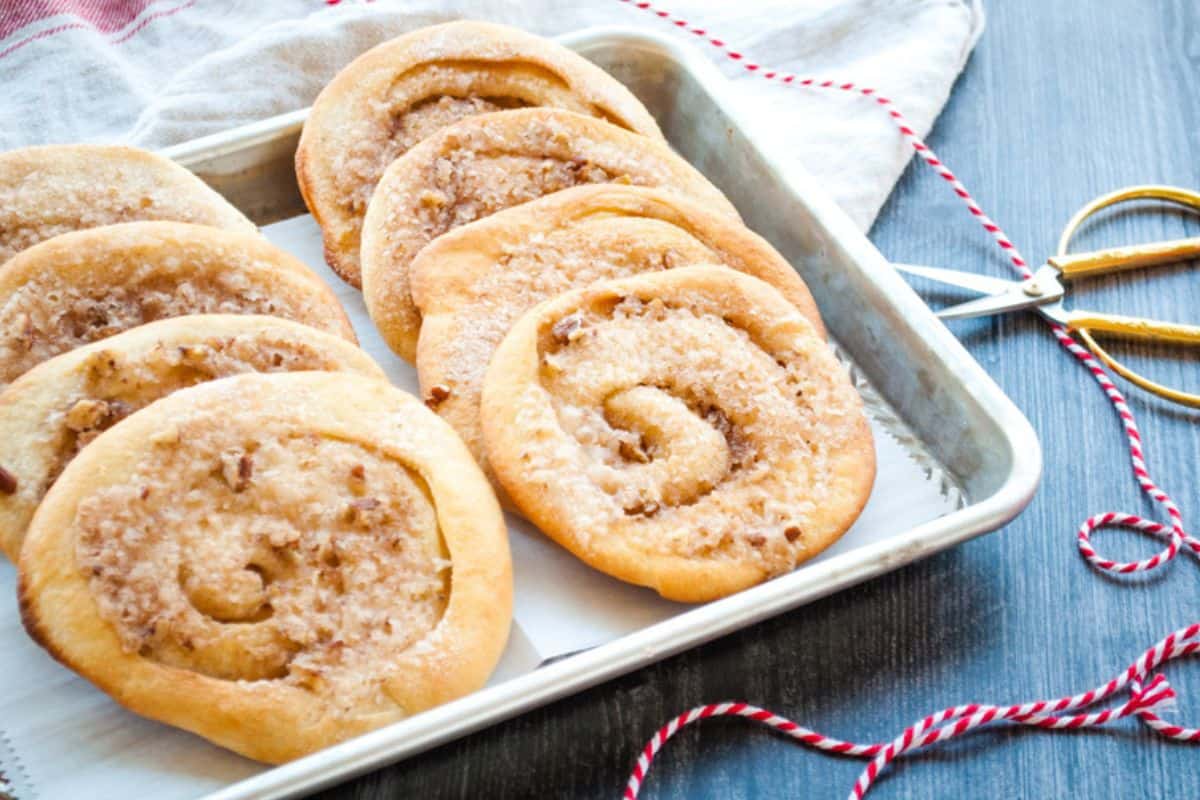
[(963, 280), (996, 304), (1042, 289)]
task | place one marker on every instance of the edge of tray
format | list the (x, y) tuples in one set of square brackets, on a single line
[(577, 672)]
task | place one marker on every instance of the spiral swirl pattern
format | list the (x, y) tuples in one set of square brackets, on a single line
[(308, 574), (471, 284), (276, 551), (406, 89), (84, 286), (685, 430), (51, 412), (487, 163)]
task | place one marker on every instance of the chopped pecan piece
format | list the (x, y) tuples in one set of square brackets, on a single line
[(365, 512), (237, 469), (633, 452), (437, 393), (644, 508), (717, 418), (8, 482), (192, 353), (433, 200), (566, 330), (90, 416), (86, 415)]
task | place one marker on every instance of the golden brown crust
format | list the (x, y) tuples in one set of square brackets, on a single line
[(321, 661), (54, 189), (473, 282), (83, 286), (54, 409), (685, 430), (400, 91), (487, 163)]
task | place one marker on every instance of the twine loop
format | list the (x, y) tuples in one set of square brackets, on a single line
[(1146, 699)]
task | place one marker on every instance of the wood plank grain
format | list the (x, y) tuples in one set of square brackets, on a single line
[(1061, 101)]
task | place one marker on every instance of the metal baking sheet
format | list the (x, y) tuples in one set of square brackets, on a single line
[(935, 404)]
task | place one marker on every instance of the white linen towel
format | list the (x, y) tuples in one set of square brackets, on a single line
[(157, 72)]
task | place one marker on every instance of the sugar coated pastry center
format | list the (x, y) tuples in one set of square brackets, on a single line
[(685, 429), (250, 552)]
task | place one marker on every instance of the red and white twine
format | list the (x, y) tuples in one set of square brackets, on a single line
[(957, 720), (1145, 700), (1175, 534)]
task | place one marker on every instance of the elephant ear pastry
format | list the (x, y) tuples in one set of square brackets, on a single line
[(81, 287), (472, 283), (51, 412), (685, 430), (485, 164), (274, 562), (53, 189), (401, 91)]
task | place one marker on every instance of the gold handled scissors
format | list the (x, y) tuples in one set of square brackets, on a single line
[(1044, 292)]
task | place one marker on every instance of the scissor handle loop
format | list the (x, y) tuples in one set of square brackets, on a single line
[(1166, 392), (1170, 194)]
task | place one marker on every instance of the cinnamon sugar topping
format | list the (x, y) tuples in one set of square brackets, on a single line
[(116, 384), (677, 427), (266, 577)]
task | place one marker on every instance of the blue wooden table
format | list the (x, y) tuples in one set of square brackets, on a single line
[(1061, 102)]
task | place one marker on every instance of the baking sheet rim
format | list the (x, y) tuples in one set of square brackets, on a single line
[(578, 672)]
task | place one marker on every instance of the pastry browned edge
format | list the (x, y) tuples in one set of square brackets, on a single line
[(472, 283), (81, 287), (485, 164), (274, 562), (401, 91), (54, 189), (685, 430), (52, 411)]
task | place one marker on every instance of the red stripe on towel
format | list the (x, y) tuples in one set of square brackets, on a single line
[(103, 16)]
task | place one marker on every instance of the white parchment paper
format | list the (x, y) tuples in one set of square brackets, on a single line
[(74, 742)]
